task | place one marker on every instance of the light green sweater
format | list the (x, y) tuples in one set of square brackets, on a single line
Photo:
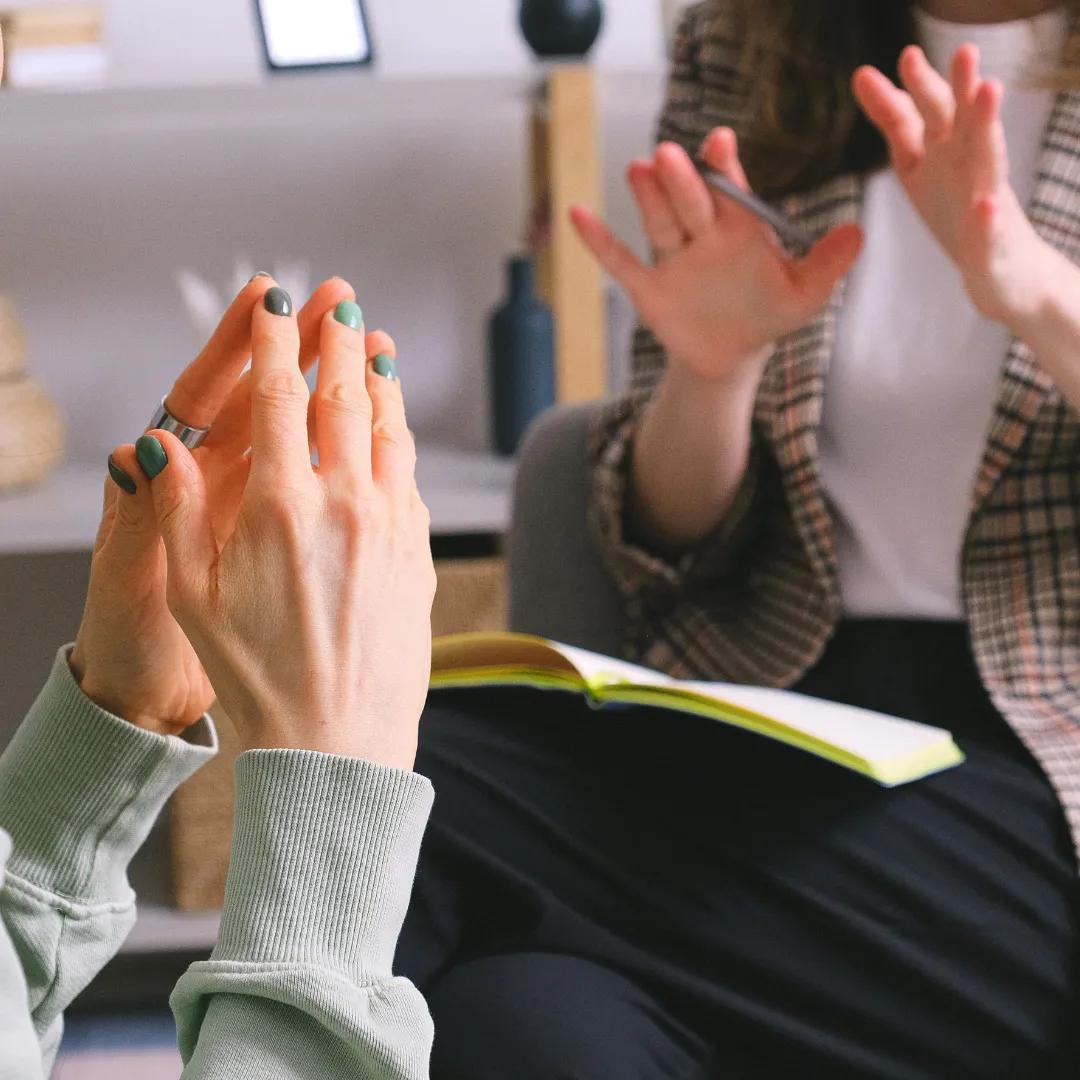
[(323, 860)]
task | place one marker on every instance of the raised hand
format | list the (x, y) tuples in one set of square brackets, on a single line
[(722, 289), (130, 655), (948, 148), (310, 604)]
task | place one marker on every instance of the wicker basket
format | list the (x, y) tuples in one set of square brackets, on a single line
[(31, 433), (12, 342)]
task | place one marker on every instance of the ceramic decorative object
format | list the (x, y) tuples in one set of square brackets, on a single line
[(522, 358), (556, 28), (31, 427)]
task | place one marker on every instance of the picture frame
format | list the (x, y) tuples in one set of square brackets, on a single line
[(267, 10)]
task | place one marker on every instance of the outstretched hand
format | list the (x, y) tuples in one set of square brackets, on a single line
[(308, 599), (722, 289), (947, 146), (130, 656)]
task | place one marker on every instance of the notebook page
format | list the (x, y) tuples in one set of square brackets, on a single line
[(871, 735), (598, 670)]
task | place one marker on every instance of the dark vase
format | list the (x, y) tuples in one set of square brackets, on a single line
[(522, 359), (561, 27)]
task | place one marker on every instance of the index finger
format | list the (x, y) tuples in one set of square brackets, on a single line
[(206, 383)]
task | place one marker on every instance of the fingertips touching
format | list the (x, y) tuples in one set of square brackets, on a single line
[(120, 476), (379, 341), (134, 504)]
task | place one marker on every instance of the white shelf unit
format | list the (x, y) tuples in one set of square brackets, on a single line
[(465, 492), (158, 928)]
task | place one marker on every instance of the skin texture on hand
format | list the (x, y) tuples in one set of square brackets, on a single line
[(722, 292), (723, 289), (309, 598), (130, 655), (948, 148)]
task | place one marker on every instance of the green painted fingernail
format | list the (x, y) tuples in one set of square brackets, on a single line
[(384, 365), (349, 314), (121, 478), (151, 455), (278, 301), (258, 274)]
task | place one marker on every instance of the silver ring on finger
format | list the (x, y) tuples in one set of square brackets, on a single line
[(163, 420)]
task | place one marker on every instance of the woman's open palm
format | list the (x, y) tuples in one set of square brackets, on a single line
[(722, 288), (947, 145)]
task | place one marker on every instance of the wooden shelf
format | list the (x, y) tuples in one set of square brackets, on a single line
[(465, 492), (318, 97)]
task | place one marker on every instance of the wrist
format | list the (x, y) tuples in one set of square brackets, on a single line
[(683, 382), (110, 700), (1050, 273)]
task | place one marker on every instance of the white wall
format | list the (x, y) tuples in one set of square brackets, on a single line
[(154, 41), (413, 189)]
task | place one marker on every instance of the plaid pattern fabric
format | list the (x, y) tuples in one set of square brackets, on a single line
[(759, 601)]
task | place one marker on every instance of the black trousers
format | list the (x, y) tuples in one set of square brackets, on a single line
[(634, 893)]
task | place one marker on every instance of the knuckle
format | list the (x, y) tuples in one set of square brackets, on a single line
[(343, 399), (393, 434), (356, 516), (282, 388), (421, 515)]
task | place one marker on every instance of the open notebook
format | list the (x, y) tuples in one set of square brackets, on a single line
[(883, 748)]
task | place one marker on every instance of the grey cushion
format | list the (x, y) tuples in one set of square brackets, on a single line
[(558, 586)]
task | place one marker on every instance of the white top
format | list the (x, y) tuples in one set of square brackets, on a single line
[(910, 393)]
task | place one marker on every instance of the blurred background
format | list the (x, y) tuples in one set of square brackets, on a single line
[(154, 156)]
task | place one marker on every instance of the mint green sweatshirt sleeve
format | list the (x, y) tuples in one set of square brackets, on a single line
[(79, 791), (325, 850), (300, 983)]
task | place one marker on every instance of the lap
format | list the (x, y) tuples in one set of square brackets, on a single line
[(535, 1016), (762, 897)]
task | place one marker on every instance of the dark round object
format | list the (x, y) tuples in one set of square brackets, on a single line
[(561, 27)]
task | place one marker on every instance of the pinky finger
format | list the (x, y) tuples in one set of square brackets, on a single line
[(393, 451)]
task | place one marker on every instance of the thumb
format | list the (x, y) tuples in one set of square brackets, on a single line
[(828, 261), (127, 523), (179, 505)]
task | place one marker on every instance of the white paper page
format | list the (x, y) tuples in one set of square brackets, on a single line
[(871, 735), (591, 664)]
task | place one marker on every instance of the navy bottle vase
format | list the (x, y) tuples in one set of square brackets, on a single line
[(522, 358), (561, 27)]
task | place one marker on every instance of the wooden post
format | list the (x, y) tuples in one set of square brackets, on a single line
[(566, 171)]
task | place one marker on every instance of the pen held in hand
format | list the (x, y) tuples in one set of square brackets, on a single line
[(793, 237)]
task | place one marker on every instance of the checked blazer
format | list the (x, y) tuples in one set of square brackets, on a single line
[(759, 600)]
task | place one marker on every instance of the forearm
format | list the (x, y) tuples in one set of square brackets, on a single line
[(300, 983), (79, 790), (690, 456), (1051, 328)]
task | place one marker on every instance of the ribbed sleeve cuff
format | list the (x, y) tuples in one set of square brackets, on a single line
[(80, 789), (324, 855)]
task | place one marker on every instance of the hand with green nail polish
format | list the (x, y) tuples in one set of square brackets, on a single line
[(311, 613), (131, 657)]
